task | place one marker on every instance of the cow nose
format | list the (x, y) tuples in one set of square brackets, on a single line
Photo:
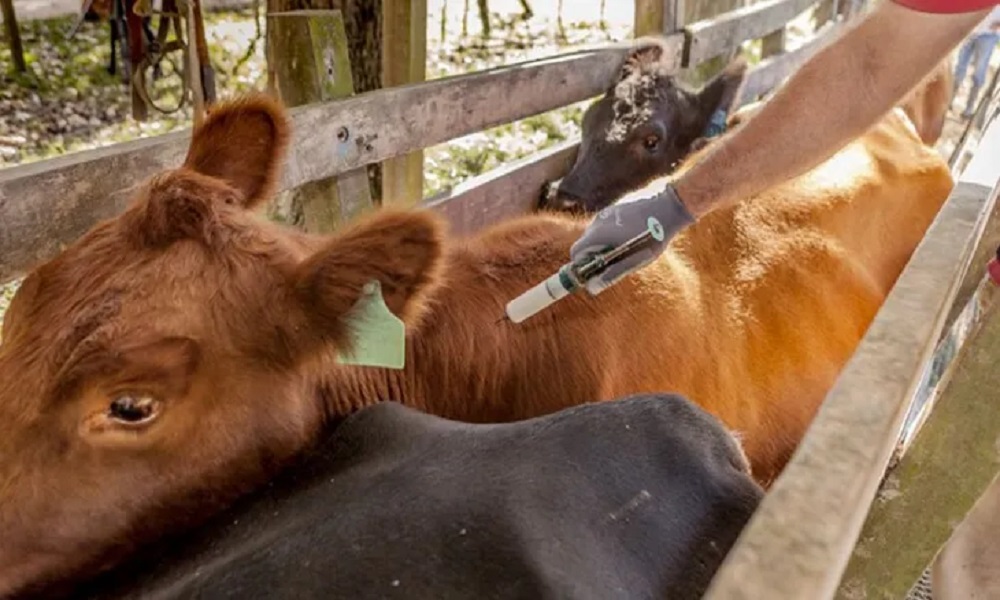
[(563, 199)]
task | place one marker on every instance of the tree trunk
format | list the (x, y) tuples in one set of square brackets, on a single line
[(526, 12), (484, 17), (444, 22), (13, 35), (363, 22)]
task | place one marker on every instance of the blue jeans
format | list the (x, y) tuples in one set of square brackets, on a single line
[(980, 45)]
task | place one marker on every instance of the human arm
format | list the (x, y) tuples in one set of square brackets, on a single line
[(834, 97)]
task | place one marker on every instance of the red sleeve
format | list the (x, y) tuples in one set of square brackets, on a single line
[(947, 6)]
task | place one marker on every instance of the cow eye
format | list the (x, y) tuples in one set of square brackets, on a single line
[(651, 142), (133, 409)]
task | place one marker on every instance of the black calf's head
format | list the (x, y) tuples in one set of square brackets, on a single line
[(645, 124)]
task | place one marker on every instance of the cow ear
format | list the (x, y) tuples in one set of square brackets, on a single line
[(180, 205), (242, 142), (721, 94), (401, 250), (648, 55), (711, 106), (723, 91)]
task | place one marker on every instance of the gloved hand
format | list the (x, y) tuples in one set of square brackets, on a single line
[(620, 222)]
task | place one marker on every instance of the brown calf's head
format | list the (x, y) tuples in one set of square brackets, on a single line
[(643, 126), (171, 352)]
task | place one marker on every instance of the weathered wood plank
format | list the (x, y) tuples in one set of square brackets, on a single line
[(45, 205), (395, 121), (648, 17), (798, 543), (654, 17), (316, 67), (770, 73), (925, 500), (509, 191), (404, 61), (986, 250), (712, 37), (991, 239)]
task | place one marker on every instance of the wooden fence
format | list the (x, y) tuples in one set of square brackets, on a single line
[(800, 540), (46, 205)]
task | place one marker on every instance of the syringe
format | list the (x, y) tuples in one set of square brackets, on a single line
[(574, 276)]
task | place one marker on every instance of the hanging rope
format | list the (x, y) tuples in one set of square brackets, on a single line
[(174, 13)]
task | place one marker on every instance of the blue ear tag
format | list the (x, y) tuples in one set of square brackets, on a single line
[(716, 124), (379, 335), (655, 228)]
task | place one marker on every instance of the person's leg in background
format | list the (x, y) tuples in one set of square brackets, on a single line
[(962, 64), (984, 43)]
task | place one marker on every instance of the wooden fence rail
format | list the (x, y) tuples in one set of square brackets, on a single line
[(712, 37), (45, 205), (799, 541), (771, 72), (509, 191), (906, 527)]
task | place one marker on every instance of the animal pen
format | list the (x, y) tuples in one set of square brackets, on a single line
[(836, 522)]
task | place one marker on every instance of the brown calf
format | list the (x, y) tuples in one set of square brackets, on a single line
[(177, 355)]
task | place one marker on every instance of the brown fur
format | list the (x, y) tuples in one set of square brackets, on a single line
[(230, 324)]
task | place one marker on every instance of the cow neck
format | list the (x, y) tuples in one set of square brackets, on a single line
[(349, 389)]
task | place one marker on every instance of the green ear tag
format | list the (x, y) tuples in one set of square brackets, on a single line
[(380, 336)]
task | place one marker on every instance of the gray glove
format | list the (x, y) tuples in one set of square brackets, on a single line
[(619, 223)]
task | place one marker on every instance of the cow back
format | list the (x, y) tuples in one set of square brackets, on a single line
[(640, 498)]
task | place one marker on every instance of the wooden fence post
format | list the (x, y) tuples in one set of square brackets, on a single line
[(404, 60), (315, 68), (658, 16), (951, 464), (773, 44), (13, 35)]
